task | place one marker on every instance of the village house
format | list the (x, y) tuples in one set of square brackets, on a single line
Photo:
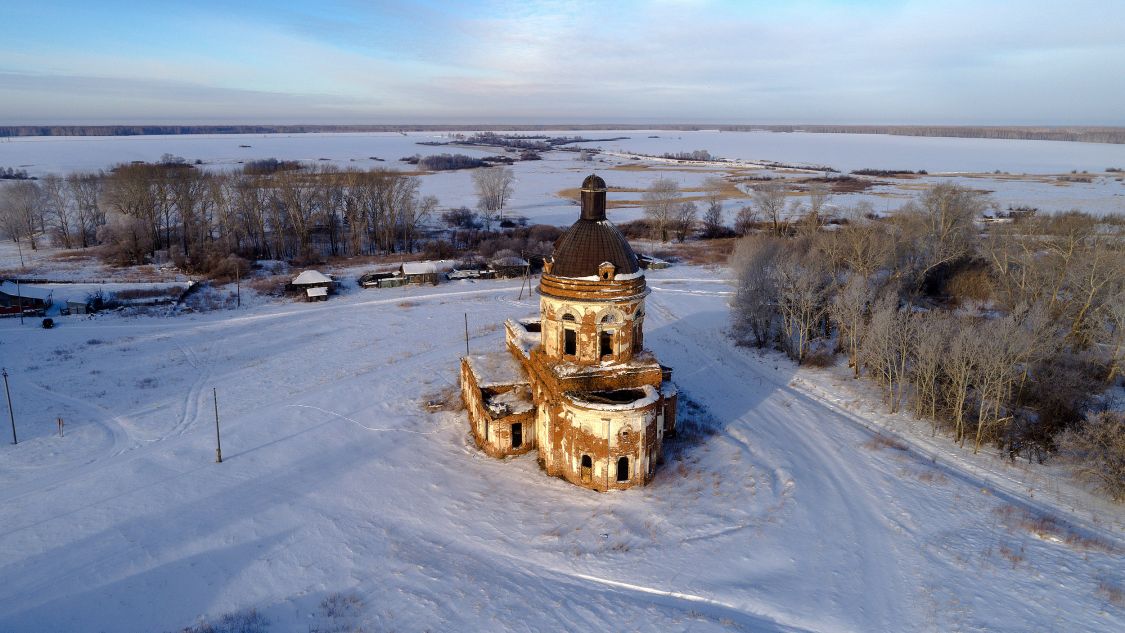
[(576, 384), (15, 296)]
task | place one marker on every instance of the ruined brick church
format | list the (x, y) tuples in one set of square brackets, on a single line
[(576, 384)]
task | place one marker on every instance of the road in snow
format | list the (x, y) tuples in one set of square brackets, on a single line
[(787, 518)]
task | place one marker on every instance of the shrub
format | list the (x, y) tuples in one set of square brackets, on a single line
[(249, 621), (1096, 448), (446, 162)]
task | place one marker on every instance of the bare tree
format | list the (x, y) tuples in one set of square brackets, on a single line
[(660, 202), (57, 203), (1113, 316), (958, 367), (819, 194), (86, 192), (931, 338), (939, 228), (1097, 449), (802, 300), (754, 312), (494, 187), (745, 220), (684, 220), (849, 310), (713, 216), (885, 347), (769, 202), (23, 211), (127, 238)]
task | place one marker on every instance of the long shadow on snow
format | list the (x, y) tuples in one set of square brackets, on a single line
[(687, 345)]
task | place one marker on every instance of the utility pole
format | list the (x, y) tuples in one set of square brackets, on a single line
[(218, 444), (11, 415), (466, 334)]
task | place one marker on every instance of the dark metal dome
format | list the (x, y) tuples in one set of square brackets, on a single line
[(593, 183), (585, 245), (592, 240)]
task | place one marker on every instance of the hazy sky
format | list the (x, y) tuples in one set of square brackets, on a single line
[(339, 61)]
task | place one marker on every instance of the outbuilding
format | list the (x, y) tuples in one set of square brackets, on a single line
[(316, 285), (420, 272), (14, 296)]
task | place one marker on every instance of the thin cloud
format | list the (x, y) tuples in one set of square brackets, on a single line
[(953, 62)]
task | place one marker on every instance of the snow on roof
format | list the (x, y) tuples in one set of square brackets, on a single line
[(512, 401), (311, 277), (649, 396), (497, 368), (511, 260), (427, 267), (25, 291), (419, 268), (317, 292), (524, 339)]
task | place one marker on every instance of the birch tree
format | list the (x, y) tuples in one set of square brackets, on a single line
[(660, 201)]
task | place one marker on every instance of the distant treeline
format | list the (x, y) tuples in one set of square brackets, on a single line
[(1044, 133), (1085, 134)]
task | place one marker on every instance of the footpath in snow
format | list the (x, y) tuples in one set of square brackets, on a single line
[(790, 515)]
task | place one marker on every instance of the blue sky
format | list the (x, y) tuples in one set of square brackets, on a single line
[(876, 61)]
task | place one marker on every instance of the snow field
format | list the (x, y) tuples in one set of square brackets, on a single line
[(787, 516)]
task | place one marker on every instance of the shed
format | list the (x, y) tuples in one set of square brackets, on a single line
[(420, 272), (74, 306), (312, 280), (381, 279), (652, 263), (14, 296), (509, 266)]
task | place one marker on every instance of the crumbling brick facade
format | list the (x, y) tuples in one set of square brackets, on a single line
[(599, 404)]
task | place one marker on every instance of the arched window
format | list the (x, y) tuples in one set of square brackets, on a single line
[(587, 468), (609, 318), (570, 342), (605, 343), (623, 469), (568, 317)]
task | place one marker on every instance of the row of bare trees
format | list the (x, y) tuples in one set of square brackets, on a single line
[(199, 217), (1003, 333)]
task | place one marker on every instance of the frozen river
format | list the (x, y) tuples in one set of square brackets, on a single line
[(539, 182)]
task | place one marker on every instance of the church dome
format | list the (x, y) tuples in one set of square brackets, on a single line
[(593, 240), (587, 244), (593, 183)]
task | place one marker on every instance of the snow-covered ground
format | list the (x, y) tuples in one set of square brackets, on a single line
[(791, 516)]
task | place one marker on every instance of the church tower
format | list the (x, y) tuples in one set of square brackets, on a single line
[(598, 404), (592, 291)]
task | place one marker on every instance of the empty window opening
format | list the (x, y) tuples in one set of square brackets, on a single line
[(517, 435), (607, 343), (609, 318), (570, 342), (587, 468), (638, 338), (486, 430), (623, 469), (568, 317)]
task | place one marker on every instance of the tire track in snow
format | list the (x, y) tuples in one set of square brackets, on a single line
[(854, 510)]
